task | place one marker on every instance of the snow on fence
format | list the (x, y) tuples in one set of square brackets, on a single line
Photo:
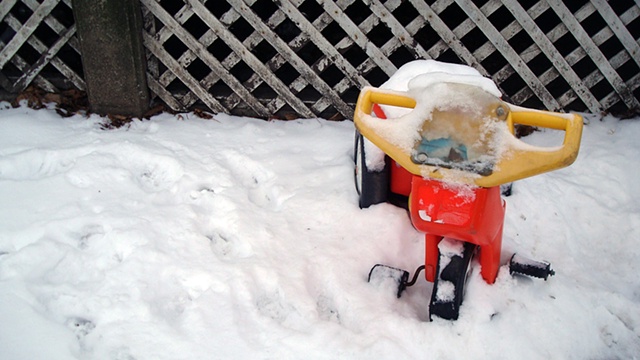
[(310, 57)]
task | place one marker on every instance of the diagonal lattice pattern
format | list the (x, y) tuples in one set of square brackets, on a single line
[(310, 58), (38, 45)]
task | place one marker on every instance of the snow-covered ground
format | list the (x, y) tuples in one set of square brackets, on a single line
[(236, 238)]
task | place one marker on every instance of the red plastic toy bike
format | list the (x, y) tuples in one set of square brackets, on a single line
[(447, 155)]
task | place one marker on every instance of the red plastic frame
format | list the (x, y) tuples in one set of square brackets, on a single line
[(474, 215)]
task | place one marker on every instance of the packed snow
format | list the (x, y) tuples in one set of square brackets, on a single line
[(423, 73), (237, 238), (448, 248)]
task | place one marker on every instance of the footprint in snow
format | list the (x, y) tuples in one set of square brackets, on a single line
[(257, 179), (36, 163), (89, 234), (153, 172), (81, 327), (327, 309), (121, 353), (120, 162), (276, 308), (229, 246)]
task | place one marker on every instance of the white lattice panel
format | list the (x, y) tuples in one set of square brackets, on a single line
[(311, 57), (38, 45)]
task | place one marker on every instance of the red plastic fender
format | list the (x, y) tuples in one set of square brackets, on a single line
[(471, 214)]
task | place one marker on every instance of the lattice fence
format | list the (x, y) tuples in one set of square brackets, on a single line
[(38, 45), (310, 57)]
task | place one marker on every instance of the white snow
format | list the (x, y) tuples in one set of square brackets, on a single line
[(449, 247), (414, 76), (422, 73), (375, 158), (236, 238), (446, 291)]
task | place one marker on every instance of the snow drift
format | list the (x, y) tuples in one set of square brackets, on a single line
[(235, 238)]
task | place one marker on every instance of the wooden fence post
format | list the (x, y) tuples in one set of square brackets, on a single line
[(110, 33)]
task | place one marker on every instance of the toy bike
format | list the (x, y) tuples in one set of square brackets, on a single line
[(448, 153)]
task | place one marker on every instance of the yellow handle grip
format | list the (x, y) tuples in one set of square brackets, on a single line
[(520, 160), (389, 98), (524, 160)]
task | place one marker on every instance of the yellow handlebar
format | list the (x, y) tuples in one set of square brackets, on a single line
[(526, 160), (388, 98), (519, 160)]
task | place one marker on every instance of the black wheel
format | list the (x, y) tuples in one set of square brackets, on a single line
[(372, 186), (448, 287)]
